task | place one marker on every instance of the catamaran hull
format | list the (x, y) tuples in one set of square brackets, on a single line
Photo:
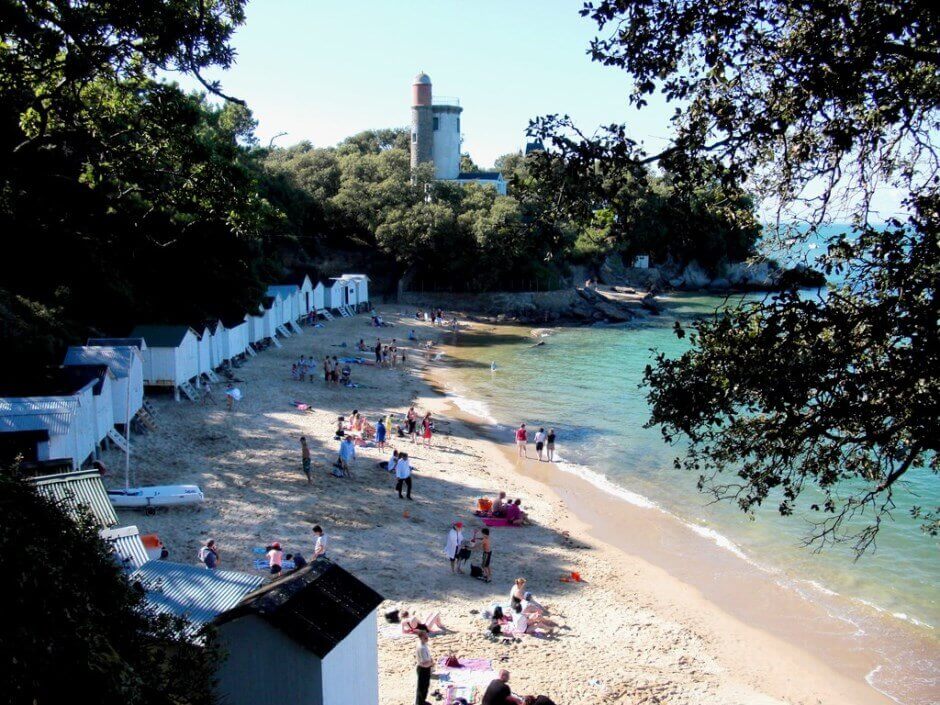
[(160, 496)]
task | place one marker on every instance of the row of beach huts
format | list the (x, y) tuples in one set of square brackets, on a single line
[(316, 626), (99, 390)]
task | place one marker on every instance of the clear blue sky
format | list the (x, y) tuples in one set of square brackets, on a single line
[(322, 71)]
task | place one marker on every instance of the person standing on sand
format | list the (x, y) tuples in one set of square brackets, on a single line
[(380, 434), (426, 426), (412, 423), (305, 457), (521, 439), (487, 551), (403, 475), (452, 547), (319, 548), (209, 555), (327, 369), (378, 351), (425, 664), (550, 444), (232, 395), (540, 442), (347, 453)]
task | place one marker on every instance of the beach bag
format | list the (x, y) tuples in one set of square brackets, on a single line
[(476, 571), (452, 662), (464, 554), (485, 504), (392, 617)]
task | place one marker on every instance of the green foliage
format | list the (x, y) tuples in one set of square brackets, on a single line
[(114, 184), (814, 108), (75, 624)]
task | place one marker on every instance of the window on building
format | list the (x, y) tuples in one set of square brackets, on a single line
[(414, 136), (437, 123)]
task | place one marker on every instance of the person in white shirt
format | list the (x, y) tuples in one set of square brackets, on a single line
[(523, 622), (232, 395), (403, 475), (540, 442), (520, 620), (452, 547), (319, 548)]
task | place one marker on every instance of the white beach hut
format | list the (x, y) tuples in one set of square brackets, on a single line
[(290, 305), (171, 358), (102, 379), (216, 350), (319, 297), (337, 294), (361, 284), (256, 325), (204, 347), (304, 295), (62, 423), (271, 316), (126, 364), (235, 337)]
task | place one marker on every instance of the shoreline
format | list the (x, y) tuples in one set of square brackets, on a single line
[(704, 561), (638, 634)]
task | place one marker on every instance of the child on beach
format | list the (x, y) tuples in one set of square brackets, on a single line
[(232, 395), (403, 475), (427, 425), (486, 548), (305, 457), (550, 444), (319, 548), (275, 557), (380, 434), (347, 453)]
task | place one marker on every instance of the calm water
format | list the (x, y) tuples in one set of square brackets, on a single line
[(585, 384)]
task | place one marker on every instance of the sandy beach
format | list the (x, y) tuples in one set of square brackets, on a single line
[(632, 632)]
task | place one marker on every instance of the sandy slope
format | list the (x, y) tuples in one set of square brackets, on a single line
[(634, 635)]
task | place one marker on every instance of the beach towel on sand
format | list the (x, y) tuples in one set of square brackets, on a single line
[(262, 564), (497, 522), (466, 664)]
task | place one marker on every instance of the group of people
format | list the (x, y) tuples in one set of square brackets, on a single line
[(388, 354), (460, 550), (544, 443), (334, 372), (275, 556), (435, 317), (509, 509)]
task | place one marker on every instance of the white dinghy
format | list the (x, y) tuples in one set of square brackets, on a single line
[(159, 496)]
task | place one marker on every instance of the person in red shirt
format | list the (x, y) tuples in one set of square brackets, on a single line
[(521, 439)]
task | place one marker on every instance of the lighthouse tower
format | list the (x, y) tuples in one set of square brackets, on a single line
[(422, 124), (435, 130)]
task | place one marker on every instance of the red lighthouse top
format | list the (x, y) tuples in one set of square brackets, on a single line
[(421, 90)]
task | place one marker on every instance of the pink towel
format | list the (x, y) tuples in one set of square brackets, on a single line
[(467, 664), (498, 521)]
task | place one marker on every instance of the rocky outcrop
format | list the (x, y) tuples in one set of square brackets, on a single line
[(614, 273), (692, 277)]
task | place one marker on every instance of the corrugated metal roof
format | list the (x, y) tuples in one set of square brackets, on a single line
[(317, 606), (118, 358), (194, 592), (51, 414), (129, 550), (138, 343), (163, 336), (75, 489)]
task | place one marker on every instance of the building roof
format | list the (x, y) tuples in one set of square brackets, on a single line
[(118, 358), (52, 382), (129, 550), (83, 374), (422, 78), (317, 605), (163, 336), (534, 146), (479, 176), (138, 342), (233, 322), (354, 276), (297, 277), (78, 489), (194, 592), (50, 414)]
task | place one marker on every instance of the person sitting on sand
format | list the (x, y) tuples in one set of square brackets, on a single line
[(498, 692), (346, 380), (275, 557), (361, 345), (524, 623), (410, 623), (340, 427), (513, 513), (411, 335), (531, 607), (209, 555), (499, 506), (517, 592), (390, 463)]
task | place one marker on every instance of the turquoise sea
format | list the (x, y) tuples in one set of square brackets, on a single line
[(585, 383)]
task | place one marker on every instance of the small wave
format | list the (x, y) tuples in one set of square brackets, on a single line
[(904, 617), (870, 679), (718, 539), (601, 482), (474, 407)]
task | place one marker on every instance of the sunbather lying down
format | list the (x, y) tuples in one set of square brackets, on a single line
[(411, 624)]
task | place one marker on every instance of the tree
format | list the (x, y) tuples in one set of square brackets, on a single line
[(76, 625), (813, 106)]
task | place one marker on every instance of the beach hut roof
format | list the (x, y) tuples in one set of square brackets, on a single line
[(233, 321), (191, 591), (284, 290), (49, 382), (129, 549), (268, 302), (158, 336), (78, 489), (118, 358), (355, 276), (138, 342), (299, 276), (83, 374), (317, 606), (37, 414)]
